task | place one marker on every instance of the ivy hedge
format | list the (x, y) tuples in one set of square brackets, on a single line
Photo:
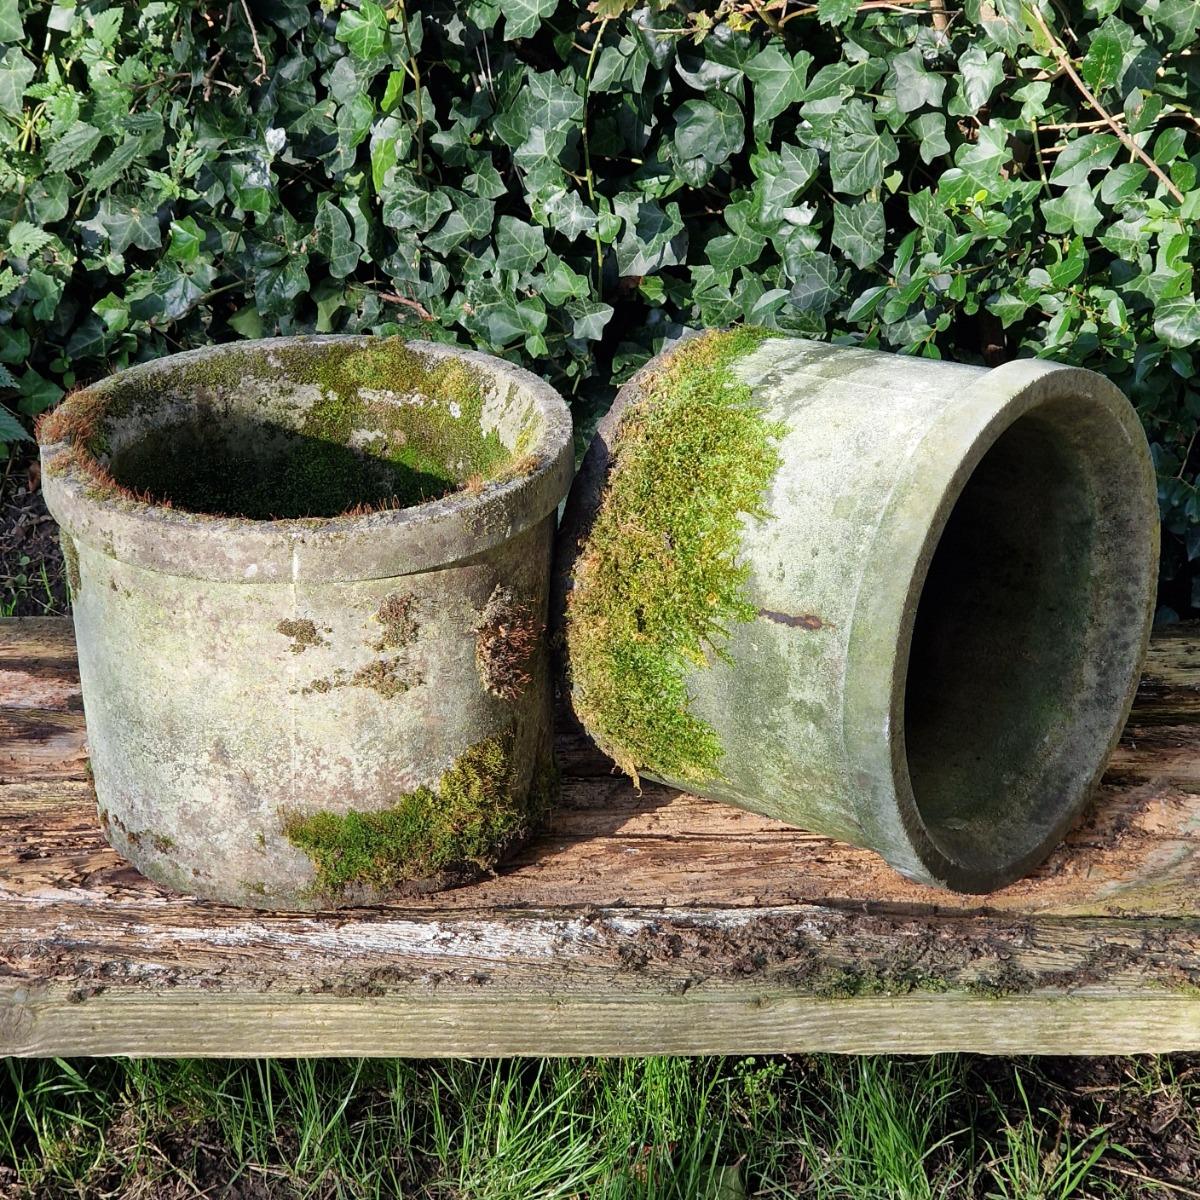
[(567, 184)]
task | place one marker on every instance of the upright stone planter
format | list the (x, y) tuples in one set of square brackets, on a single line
[(309, 580), (900, 602)]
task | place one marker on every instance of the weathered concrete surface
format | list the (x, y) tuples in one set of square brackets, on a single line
[(953, 713), (237, 673)]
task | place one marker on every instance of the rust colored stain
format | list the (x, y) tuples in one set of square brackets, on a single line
[(803, 621)]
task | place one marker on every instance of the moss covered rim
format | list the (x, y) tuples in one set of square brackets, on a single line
[(513, 491)]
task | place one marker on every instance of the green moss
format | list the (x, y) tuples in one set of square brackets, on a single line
[(464, 824), (658, 584)]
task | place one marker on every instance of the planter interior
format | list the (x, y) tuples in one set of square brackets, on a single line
[(338, 429)]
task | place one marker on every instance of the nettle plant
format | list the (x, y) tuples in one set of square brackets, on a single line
[(569, 184)]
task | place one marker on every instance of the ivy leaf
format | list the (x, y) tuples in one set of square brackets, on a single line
[(519, 246), (334, 241), (778, 81), (364, 31), (16, 73), (1101, 66), (1074, 211), (651, 237), (859, 230), (11, 30), (186, 239), (861, 150), (911, 84), (815, 283), (522, 18), (980, 74), (1122, 181), (588, 319), (1083, 156), (710, 129), (836, 12), (931, 129), (1177, 322)]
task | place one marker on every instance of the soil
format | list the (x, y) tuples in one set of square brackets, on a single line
[(28, 543)]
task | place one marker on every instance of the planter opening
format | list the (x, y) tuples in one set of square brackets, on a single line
[(314, 435), (1005, 687)]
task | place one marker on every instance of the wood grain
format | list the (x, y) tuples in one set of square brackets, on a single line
[(637, 923)]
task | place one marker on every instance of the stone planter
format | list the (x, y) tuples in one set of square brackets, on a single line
[(309, 580), (908, 609)]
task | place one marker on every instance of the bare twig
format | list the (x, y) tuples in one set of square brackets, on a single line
[(809, 10), (940, 21), (262, 62), (767, 19), (1177, 1188), (415, 305), (1064, 61), (414, 72)]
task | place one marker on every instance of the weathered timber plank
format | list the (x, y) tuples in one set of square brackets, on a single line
[(603, 983), (638, 922), (736, 1021)]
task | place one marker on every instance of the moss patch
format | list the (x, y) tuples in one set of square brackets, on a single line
[(657, 583), (506, 639), (303, 634), (71, 563), (399, 624), (463, 825), (390, 677)]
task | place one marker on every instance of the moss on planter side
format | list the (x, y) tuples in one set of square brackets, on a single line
[(463, 825), (657, 584)]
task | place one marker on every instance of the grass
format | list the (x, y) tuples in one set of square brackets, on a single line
[(641, 1129)]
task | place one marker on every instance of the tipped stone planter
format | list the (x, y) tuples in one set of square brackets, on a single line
[(900, 602), (309, 580)]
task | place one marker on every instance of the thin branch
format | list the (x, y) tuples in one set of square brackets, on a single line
[(767, 19), (415, 305), (1064, 61), (809, 10), (262, 62)]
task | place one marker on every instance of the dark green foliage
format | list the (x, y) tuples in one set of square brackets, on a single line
[(568, 184)]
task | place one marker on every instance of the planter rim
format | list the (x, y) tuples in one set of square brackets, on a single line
[(896, 568), (378, 544)]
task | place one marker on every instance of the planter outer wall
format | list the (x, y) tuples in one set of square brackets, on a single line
[(208, 727), (955, 712)]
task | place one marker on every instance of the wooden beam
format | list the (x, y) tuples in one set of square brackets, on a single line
[(638, 923)]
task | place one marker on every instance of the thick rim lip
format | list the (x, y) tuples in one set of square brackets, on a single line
[(424, 536), (886, 804)]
